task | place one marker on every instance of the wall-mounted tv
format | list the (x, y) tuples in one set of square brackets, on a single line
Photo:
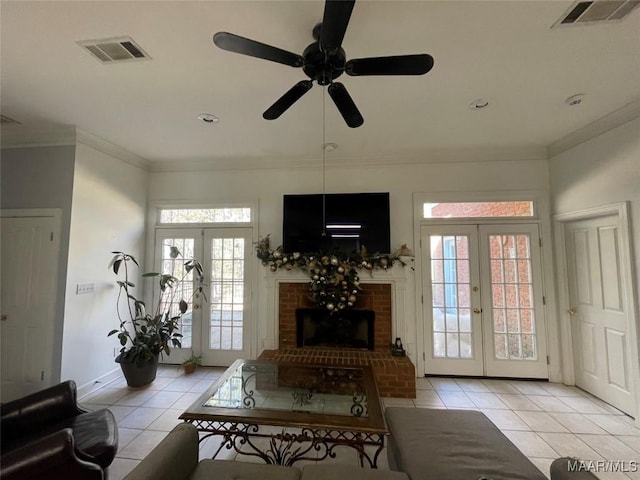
[(339, 221)]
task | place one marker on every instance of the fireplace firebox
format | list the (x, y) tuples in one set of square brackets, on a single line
[(344, 329)]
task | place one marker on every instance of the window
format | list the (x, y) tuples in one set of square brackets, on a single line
[(478, 209), (205, 215)]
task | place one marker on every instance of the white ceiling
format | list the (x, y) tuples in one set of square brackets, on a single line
[(504, 51)]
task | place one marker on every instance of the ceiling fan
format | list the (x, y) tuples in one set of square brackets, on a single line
[(324, 61)]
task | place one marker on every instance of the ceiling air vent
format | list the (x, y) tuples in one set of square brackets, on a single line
[(4, 120), (112, 50), (597, 11)]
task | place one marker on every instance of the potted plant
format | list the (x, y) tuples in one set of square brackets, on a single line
[(145, 334), (191, 363)]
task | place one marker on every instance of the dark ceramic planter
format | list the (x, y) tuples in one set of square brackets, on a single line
[(139, 374)]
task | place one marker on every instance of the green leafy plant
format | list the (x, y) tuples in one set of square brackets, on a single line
[(144, 334), (191, 363), (194, 359)]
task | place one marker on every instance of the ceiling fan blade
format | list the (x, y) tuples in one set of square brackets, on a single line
[(288, 99), (334, 23), (397, 65), (345, 105), (245, 46)]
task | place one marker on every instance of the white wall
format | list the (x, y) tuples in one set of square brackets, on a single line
[(42, 177), (602, 171), (108, 213), (266, 187)]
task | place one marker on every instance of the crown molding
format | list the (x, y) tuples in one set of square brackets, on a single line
[(17, 136), (69, 136), (361, 161), (111, 149), (615, 119)]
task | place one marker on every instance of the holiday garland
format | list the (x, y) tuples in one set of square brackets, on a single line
[(335, 282)]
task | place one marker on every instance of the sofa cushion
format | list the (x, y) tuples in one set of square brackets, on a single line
[(431, 444), (328, 471), (174, 458), (232, 470), (566, 468)]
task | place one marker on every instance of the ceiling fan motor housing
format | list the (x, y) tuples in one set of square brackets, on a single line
[(321, 66)]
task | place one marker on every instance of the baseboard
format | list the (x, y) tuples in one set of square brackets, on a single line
[(99, 382)]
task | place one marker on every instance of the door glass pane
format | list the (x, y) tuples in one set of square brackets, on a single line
[(184, 288), (205, 215), (512, 297), (451, 293), (227, 294), (478, 209)]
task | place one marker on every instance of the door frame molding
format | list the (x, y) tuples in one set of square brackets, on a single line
[(621, 211), (541, 216), (152, 224)]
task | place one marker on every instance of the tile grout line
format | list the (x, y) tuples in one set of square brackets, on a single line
[(446, 392)]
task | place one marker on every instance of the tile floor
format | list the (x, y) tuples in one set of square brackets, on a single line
[(544, 420)]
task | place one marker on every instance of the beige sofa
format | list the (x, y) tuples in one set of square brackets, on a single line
[(176, 458), (426, 444)]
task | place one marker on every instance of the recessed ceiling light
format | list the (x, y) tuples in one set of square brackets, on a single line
[(574, 100), (208, 118), (478, 104), (329, 147)]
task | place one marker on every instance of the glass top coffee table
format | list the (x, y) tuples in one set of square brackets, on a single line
[(315, 409)]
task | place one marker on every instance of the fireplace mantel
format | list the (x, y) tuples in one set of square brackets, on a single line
[(398, 277)]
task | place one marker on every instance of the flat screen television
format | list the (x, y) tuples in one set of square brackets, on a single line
[(351, 220)]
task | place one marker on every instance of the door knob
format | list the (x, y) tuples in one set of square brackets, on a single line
[(572, 311), (477, 310), (4, 317)]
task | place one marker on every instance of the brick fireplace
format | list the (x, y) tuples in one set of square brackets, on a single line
[(395, 376)]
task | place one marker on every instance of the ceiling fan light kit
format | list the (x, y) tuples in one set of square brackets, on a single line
[(325, 60)]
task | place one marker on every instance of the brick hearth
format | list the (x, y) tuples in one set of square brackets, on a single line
[(395, 376)]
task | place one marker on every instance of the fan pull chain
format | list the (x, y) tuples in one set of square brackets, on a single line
[(324, 154)]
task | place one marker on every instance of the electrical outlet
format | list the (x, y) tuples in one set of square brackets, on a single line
[(83, 288)]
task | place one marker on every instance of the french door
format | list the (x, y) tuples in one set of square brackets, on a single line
[(483, 302), (217, 324)]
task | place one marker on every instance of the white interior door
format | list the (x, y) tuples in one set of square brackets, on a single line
[(483, 301), (27, 301), (598, 318), (218, 324)]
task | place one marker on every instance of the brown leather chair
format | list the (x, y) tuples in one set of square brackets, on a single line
[(52, 457), (30, 419)]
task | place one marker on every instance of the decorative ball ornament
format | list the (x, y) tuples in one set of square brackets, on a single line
[(334, 281)]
